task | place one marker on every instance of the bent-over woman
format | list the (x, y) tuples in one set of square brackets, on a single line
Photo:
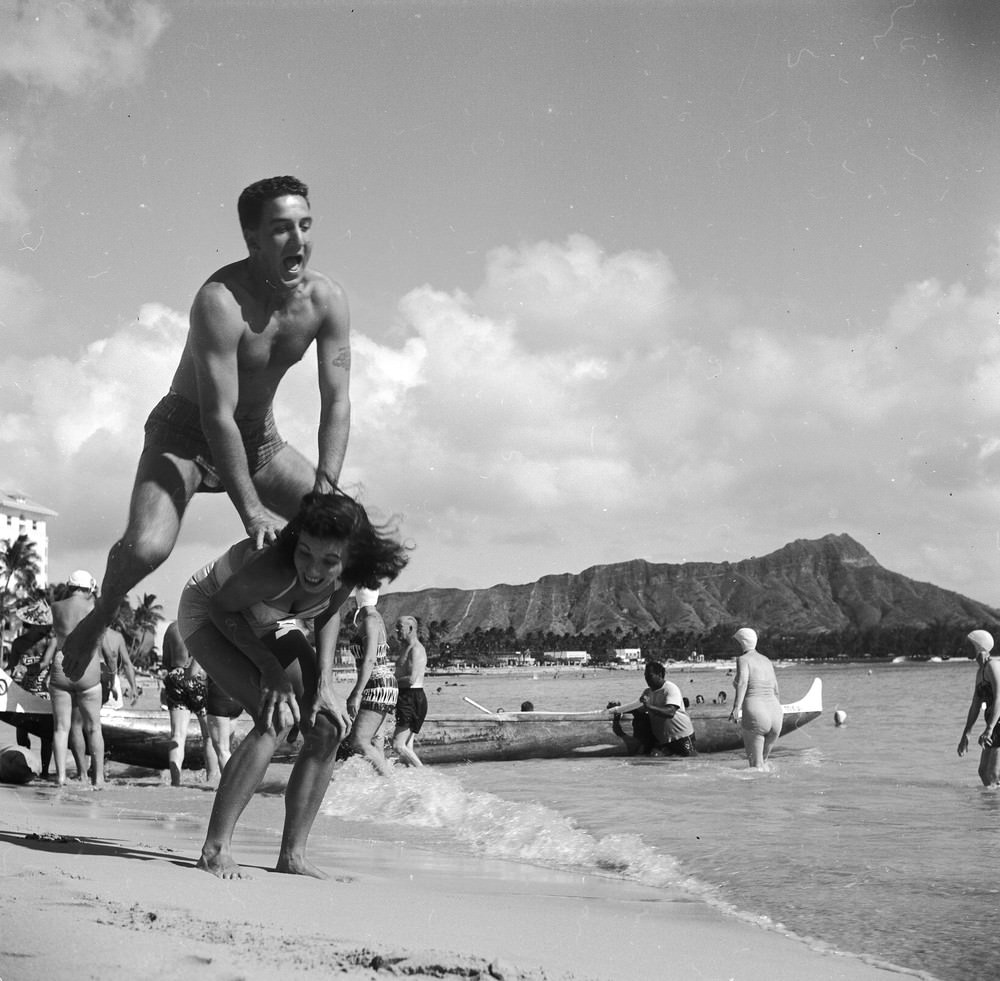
[(985, 696), (243, 619), (757, 697)]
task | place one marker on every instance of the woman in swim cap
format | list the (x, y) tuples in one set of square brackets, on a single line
[(758, 698), (375, 691), (985, 695)]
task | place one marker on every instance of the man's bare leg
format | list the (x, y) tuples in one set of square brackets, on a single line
[(213, 769), (164, 484), (306, 788), (402, 743), (285, 481)]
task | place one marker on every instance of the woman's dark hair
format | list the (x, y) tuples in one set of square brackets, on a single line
[(250, 205), (375, 554)]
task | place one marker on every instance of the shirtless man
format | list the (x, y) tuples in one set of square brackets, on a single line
[(250, 322), (411, 704)]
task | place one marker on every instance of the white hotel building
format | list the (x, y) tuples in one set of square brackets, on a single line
[(21, 516)]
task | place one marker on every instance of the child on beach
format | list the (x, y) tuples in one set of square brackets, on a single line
[(242, 618)]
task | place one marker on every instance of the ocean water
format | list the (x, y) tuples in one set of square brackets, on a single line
[(873, 838)]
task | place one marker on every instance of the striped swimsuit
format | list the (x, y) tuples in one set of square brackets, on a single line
[(380, 693)]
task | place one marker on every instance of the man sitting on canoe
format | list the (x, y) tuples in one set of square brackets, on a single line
[(670, 732)]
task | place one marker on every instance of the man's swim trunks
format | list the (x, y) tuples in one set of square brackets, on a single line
[(184, 692), (174, 426), (411, 709)]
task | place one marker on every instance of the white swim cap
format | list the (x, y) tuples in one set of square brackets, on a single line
[(981, 640), (366, 597), (746, 638), (81, 579)]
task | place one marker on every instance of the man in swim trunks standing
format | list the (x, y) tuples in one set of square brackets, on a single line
[(214, 430), (411, 703)]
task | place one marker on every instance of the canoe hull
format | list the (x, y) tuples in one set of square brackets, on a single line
[(142, 737), (547, 735)]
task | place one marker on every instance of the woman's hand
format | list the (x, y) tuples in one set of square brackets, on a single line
[(354, 704), (278, 709), (332, 706)]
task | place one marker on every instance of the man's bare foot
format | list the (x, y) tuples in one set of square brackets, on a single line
[(299, 867), (221, 865)]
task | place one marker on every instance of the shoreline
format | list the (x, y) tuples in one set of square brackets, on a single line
[(112, 876)]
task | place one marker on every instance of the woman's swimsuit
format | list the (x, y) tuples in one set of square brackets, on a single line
[(195, 605), (762, 712), (985, 693), (380, 692)]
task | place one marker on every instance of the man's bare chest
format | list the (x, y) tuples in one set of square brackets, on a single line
[(276, 345)]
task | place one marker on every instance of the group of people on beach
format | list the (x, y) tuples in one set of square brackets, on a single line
[(661, 725), (244, 617)]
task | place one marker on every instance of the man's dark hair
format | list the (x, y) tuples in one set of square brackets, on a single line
[(251, 203)]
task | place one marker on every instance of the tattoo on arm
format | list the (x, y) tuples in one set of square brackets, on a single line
[(342, 358)]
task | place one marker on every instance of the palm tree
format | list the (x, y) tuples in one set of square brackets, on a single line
[(145, 617), (20, 566)]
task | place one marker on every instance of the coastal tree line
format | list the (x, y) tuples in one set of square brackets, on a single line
[(942, 639)]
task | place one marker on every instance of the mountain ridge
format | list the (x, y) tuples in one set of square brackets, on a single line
[(806, 586)]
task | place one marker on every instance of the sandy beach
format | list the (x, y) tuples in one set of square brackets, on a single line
[(97, 889)]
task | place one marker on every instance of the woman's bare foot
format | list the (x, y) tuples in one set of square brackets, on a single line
[(221, 865), (299, 867)]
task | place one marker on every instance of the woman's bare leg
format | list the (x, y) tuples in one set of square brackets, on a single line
[(89, 703), (245, 770), (62, 719), (306, 787), (365, 738)]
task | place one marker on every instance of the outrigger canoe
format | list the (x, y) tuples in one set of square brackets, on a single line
[(142, 737)]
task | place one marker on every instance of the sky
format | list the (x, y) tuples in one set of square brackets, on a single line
[(667, 280)]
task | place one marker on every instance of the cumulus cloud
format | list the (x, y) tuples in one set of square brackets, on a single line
[(508, 459), (72, 47)]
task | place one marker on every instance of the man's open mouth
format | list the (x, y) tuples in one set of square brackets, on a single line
[(293, 263)]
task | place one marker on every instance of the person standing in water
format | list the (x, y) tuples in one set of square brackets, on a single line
[(985, 696), (411, 709), (214, 430), (757, 698), (373, 698)]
